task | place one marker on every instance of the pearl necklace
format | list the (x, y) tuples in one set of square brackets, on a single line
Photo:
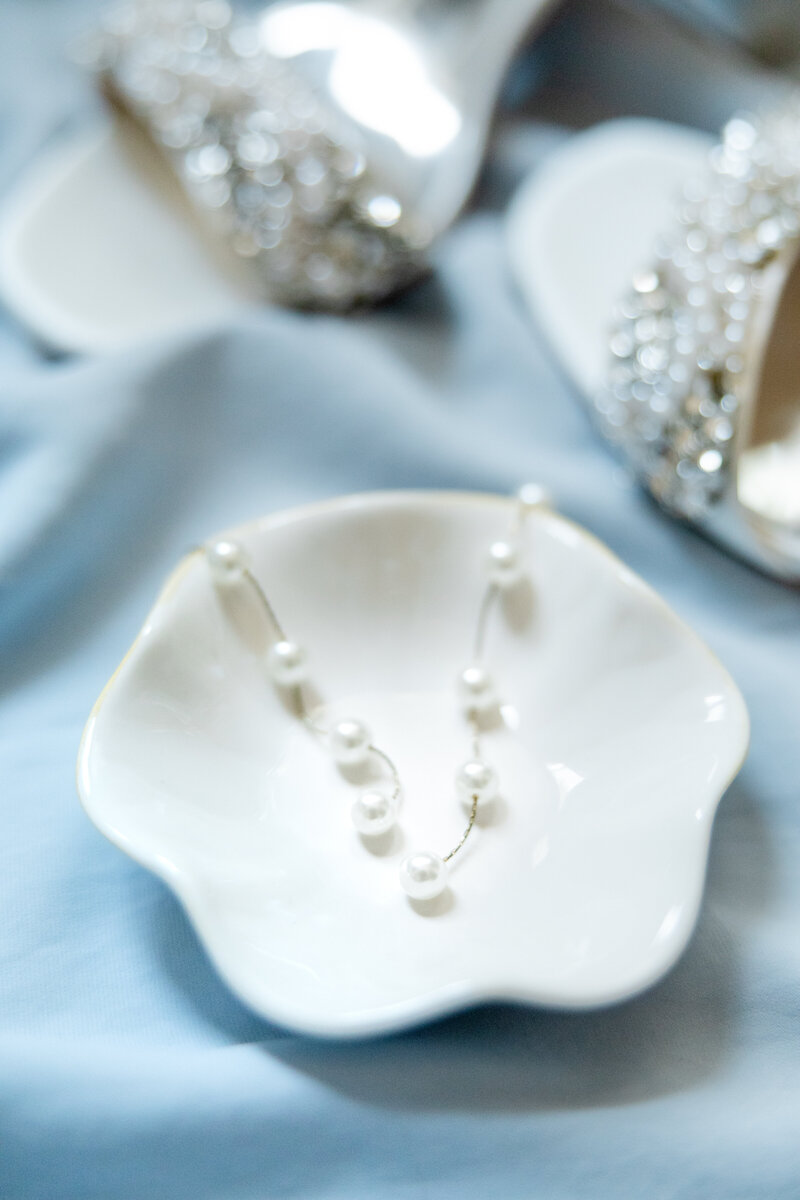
[(423, 874)]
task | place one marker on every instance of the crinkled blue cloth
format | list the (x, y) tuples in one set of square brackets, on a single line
[(127, 1070)]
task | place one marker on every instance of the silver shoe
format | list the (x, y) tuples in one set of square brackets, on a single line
[(703, 387), (328, 145)]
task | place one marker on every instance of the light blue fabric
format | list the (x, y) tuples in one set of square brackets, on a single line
[(126, 1069)]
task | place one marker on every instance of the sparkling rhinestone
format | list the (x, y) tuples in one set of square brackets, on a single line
[(208, 161), (215, 192), (655, 301), (630, 307), (622, 345), (739, 133), (279, 196), (275, 218), (256, 149), (245, 41), (646, 282), (214, 14), (310, 171), (268, 238), (738, 310), (245, 244), (383, 211), (270, 175), (769, 234), (349, 164), (710, 461), (179, 131), (193, 38), (719, 429), (653, 357), (645, 328), (315, 201), (264, 120), (750, 252)]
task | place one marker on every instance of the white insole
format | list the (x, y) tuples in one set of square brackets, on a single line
[(98, 249)]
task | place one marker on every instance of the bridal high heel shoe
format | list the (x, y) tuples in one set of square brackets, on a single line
[(692, 367), (322, 147)]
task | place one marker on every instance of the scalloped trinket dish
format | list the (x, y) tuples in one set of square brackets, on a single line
[(620, 732)]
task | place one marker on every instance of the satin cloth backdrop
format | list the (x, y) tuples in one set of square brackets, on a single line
[(126, 1068)]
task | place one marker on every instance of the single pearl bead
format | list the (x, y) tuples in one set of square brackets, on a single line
[(373, 812), (350, 742), (504, 567), (476, 778), (532, 496), (228, 562), (476, 690), (286, 663), (423, 875)]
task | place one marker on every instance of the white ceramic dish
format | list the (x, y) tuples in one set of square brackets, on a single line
[(621, 731)]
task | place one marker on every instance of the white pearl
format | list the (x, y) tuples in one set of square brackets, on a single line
[(228, 562), (532, 496), (286, 663), (476, 690), (504, 567), (423, 875), (350, 742), (476, 778), (373, 812)]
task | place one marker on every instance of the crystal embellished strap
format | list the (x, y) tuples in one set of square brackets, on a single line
[(689, 335), (257, 153)]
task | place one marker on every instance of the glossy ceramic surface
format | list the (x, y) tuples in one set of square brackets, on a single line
[(620, 731)]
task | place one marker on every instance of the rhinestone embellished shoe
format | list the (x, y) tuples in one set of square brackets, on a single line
[(260, 156), (687, 347), (321, 147)]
